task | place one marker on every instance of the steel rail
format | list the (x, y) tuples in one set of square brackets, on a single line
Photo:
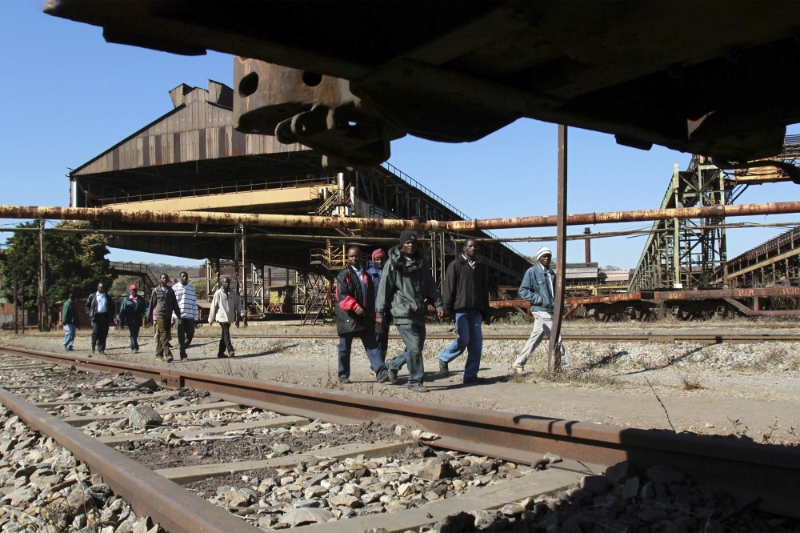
[(301, 221), (174, 508), (767, 472), (700, 338)]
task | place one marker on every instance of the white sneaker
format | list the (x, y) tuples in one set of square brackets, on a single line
[(518, 369)]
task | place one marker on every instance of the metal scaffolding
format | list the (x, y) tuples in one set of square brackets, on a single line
[(692, 252)]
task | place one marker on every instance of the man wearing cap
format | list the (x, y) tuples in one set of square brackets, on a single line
[(466, 297), (538, 287), (375, 272), (131, 311), (405, 286)]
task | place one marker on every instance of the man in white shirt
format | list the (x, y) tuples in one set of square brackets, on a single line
[(187, 307)]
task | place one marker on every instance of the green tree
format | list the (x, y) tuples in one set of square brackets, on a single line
[(74, 262), (199, 288)]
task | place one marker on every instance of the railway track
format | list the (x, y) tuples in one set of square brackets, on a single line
[(355, 455), (697, 338)]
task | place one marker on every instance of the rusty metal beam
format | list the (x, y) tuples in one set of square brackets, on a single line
[(299, 221), (554, 343)]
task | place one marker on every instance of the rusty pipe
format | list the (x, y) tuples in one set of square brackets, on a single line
[(299, 221)]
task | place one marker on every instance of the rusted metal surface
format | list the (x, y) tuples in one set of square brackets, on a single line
[(299, 221), (441, 72), (721, 293), (765, 470), (177, 510), (200, 127)]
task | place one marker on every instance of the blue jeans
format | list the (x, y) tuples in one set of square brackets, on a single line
[(133, 329), (371, 346), (69, 335), (413, 336), (470, 337)]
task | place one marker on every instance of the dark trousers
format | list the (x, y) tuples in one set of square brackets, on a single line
[(382, 337), (163, 325), (133, 329), (99, 331), (185, 334), (370, 346), (413, 336), (225, 341)]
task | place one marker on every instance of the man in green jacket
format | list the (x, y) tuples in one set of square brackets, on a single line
[(70, 319), (405, 287)]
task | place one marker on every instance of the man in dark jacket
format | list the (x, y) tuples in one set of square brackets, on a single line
[(70, 320), (131, 311), (162, 305), (466, 296), (538, 287), (100, 308), (375, 272), (405, 286), (355, 309)]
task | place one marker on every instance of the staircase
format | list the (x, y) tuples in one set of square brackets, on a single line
[(147, 280), (317, 301)]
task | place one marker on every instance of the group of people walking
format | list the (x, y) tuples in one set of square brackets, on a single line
[(167, 302), (397, 289)]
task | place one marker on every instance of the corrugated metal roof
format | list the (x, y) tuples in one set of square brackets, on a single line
[(199, 127)]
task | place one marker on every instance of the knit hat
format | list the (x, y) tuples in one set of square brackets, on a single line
[(133, 288), (544, 250), (378, 253), (407, 236)]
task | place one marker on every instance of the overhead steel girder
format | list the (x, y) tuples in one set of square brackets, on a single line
[(693, 76)]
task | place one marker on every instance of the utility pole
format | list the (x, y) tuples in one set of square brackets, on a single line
[(42, 281), (554, 351)]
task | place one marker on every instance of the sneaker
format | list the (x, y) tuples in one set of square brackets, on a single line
[(344, 380), (418, 388), (232, 354), (443, 368), (384, 377), (392, 373), (518, 369)]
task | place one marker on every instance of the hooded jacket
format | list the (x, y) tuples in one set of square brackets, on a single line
[(404, 288), (538, 289), (349, 296), (466, 287)]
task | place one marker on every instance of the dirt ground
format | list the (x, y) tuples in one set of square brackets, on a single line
[(747, 390)]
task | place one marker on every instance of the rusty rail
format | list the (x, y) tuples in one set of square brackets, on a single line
[(176, 509), (300, 221), (766, 471)]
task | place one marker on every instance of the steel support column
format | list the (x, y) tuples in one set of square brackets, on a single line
[(42, 281), (554, 359)]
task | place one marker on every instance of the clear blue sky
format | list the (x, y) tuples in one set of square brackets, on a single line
[(69, 95)]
